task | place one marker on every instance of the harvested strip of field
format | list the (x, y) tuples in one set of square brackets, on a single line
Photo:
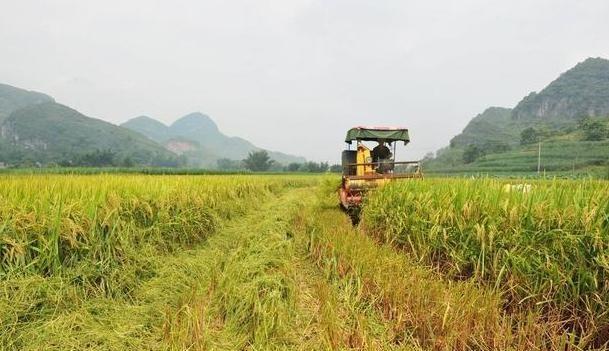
[(419, 305), (261, 292), (338, 316), (246, 296)]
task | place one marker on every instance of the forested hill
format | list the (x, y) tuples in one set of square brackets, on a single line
[(12, 98), (581, 91), (35, 130), (570, 117), (197, 137), (493, 126)]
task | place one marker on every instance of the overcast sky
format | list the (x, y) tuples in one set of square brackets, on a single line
[(295, 75)]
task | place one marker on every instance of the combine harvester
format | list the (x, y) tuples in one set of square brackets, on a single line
[(365, 169)]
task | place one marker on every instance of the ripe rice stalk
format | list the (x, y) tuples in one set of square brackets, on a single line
[(542, 249)]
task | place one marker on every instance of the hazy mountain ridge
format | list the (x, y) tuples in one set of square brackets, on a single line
[(555, 114), (13, 98), (51, 132), (211, 144), (493, 125), (151, 128), (34, 129)]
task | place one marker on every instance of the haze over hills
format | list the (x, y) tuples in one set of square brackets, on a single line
[(12, 98), (35, 130), (570, 117), (198, 138), (49, 132)]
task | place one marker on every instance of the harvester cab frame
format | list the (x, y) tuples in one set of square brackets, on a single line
[(363, 170)]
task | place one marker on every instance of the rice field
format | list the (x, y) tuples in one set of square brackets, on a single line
[(74, 248), (49, 223), (265, 262), (543, 248)]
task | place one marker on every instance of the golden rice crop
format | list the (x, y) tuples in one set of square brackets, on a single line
[(547, 248), (50, 222), (244, 261), (77, 252), (420, 307)]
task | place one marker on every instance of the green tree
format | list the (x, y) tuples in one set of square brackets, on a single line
[(226, 164), (127, 162), (314, 167), (293, 167), (258, 161), (97, 158), (594, 130), (472, 153), (167, 161), (336, 168), (496, 147), (428, 157), (529, 136)]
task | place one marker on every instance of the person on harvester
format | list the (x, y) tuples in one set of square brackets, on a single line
[(380, 152)]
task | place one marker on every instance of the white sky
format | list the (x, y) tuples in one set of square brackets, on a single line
[(295, 75)]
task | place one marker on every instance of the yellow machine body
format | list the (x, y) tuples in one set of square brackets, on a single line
[(363, 156)]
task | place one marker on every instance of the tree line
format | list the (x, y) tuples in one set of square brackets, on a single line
[(260, 161)]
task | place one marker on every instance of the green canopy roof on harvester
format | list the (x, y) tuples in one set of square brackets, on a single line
[(389, 134)]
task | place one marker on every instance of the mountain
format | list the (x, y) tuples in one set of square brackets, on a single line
[(198, 138), (12, 98), (494, 125), (560, 116), (581, 91), (147, 126), (34, 129)]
